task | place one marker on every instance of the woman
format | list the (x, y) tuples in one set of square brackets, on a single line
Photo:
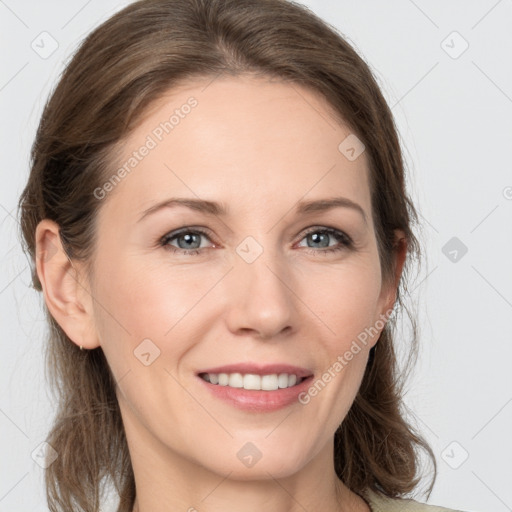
[(219, 225)]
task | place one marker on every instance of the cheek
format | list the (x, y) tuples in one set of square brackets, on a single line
[(147, 300), (170, 306), (344, 298)]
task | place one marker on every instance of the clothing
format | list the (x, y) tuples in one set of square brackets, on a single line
[(380, 503)]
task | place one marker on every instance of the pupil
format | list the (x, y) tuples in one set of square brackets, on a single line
[(316, 238), (189, 238)]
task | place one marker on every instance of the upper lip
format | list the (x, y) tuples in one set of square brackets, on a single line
[(257, 369)]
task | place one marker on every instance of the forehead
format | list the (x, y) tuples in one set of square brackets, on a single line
[(239, 140)]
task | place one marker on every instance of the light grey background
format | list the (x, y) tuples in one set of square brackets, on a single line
[(454, 112)]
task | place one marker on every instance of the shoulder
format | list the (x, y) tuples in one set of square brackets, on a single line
[(380, 503)]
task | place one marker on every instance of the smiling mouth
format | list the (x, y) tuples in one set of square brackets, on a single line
[(251, 381)]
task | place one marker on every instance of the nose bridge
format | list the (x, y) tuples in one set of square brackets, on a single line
[(261, 298)]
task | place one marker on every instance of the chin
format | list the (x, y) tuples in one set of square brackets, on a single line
[(250, 463)]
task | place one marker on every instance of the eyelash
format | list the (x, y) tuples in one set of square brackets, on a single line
[(344, 240)]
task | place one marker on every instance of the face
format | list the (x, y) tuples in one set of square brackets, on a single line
[(257, 283)]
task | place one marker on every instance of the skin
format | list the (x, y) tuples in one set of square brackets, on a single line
[(259, 147)]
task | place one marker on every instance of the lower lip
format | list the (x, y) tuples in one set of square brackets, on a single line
[(257, 400)]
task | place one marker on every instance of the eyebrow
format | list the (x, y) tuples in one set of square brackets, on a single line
[(219, 209)]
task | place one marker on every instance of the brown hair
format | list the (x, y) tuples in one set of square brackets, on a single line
[(120, 68)]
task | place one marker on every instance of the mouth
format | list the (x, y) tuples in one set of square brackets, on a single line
[(256, 388), (252, 381)]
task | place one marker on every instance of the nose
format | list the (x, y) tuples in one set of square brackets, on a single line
[(261, 299)]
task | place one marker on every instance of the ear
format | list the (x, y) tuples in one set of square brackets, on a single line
[(389, 290), (65, 292)]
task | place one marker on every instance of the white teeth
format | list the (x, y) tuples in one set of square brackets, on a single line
[(236, 380), (269, 382), (282, 380), (252, 381)]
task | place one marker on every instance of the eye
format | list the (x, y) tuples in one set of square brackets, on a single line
[(188, 240), (319, 236)]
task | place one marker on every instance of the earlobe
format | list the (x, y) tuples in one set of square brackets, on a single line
[(67, 300)]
